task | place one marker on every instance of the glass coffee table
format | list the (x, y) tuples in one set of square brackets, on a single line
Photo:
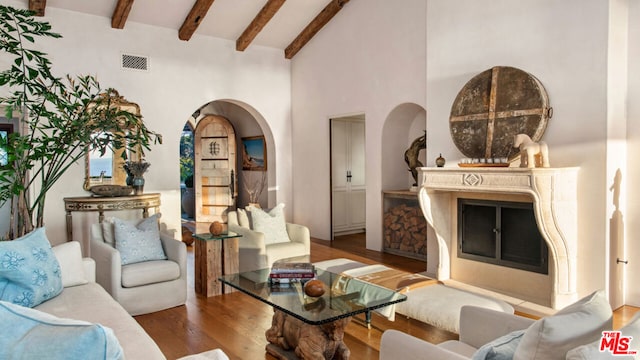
[(311, 326)]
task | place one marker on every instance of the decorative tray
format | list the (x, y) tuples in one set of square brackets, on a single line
[(111, 190), (484, 165)]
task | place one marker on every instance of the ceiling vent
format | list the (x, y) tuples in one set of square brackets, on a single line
[(135, 62)]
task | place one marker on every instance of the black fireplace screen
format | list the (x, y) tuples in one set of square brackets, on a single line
[(502, 233)]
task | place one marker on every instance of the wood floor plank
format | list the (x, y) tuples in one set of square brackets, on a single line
[(236, 322)]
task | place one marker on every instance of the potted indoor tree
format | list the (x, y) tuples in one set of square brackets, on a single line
[(57, 120)]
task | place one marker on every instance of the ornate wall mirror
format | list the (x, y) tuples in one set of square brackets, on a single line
[(106, 169)]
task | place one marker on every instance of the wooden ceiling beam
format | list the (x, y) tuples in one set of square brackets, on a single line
[(191, 23), (259, 22), (121, 13), (314, 26), (38, 6)]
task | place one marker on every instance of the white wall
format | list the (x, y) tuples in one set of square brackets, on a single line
[(369, 60), (183, 76), (563, 44), (633, 151)]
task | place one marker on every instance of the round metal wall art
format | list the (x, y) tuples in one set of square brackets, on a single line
[(493, 107)]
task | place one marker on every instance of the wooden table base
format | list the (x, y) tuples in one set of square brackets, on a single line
[(212, 259), (290, 338)]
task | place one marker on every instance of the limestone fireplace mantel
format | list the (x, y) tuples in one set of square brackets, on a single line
[(553, 192)]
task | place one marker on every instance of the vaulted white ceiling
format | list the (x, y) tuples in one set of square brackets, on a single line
[(225, 19)]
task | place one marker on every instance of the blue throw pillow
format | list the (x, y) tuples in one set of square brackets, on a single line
[(138, 243), (33, 334), (501, 348), (29, 271)]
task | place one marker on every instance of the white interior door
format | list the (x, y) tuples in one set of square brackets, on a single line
[(348, 183)]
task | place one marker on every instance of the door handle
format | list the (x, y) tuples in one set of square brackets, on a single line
[(348, 175), (232, 186), (618, 261)]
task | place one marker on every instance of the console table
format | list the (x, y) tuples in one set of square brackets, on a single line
[(102, 204)]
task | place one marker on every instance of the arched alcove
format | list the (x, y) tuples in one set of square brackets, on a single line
[(403, 125), (404, 229), (247, 122)]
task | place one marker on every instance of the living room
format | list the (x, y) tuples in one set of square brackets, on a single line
[(372, 58)]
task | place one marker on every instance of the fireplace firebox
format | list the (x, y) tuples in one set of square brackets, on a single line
[(502, 233)]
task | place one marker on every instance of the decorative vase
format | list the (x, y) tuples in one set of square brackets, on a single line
[(138, 185), (129, 179), (187, 236), (189, 202), (440, 161)]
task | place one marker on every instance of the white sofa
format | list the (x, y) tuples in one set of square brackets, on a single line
[(90, 302), (506, 336), (87, 301)]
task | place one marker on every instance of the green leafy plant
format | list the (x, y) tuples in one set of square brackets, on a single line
[(57, 119), (187, 159)]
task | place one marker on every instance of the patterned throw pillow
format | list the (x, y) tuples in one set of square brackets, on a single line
[(138, 243), (271, 224), (29, 271)]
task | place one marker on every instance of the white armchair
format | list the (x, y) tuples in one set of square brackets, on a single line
[(255, 253), (496, 333), (478, 326), (142, 287)]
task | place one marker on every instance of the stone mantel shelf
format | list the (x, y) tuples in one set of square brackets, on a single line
[(554, 196), (495, 179)]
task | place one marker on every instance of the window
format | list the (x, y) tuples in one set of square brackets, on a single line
[(5, 130)]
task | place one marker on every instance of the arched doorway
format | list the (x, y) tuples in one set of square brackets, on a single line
[(248, 124)]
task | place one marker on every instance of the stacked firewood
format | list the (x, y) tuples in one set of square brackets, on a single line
[(405, 230)]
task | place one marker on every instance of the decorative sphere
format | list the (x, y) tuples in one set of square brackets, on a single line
[(216, 228), (314, 288)]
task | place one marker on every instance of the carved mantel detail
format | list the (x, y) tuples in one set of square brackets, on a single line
[(554, 196)]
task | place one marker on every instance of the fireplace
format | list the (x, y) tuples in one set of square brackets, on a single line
[(551, 195), (503, 233)]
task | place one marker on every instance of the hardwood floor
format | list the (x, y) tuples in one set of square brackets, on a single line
[(236, 322)]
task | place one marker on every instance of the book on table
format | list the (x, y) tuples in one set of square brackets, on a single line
[(292, 275), (297, 268), (288, 272)]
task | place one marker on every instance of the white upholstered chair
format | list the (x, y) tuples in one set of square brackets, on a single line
[(259, 251), (141, 287), (486, 333)]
